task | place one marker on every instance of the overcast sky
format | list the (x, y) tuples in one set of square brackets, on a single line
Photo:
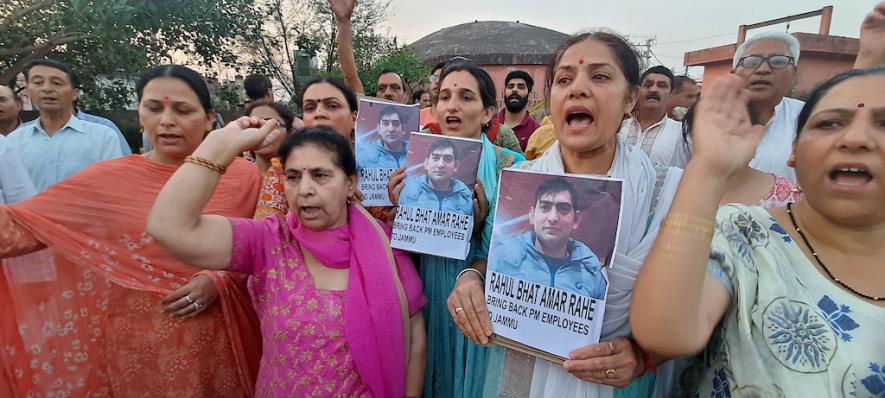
[(678, 25)]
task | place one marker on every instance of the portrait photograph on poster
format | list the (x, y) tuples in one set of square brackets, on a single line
[(553, 240), (382, 142), (435, 209)]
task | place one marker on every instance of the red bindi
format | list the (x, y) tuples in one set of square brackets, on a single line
[(860, 105), (165, 100), (581, 61)]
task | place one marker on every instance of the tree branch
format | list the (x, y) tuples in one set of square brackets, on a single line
[(50, 44), (22, 12)]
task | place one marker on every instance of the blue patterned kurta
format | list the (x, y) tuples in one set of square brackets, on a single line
[(790, 331)]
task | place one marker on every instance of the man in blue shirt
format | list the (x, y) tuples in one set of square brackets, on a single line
[(124, 145), (388, 152), (547, 254), (57, 144), (438, 189)]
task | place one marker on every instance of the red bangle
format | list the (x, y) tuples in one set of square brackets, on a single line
[(647, 365)]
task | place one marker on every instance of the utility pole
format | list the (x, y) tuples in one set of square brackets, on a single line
[(643, 47)]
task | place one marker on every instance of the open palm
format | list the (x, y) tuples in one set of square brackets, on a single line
[(343, 9), (872, 38), (724, 138)]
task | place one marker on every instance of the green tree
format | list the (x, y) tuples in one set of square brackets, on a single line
[(294, 32), (110, 42), (414, 72)]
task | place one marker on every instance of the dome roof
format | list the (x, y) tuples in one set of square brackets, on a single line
[(490, 43)]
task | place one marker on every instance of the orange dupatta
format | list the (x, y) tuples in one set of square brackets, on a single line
[(84, 320)]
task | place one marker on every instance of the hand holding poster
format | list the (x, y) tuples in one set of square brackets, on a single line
[(554, 237), (435, 214), (382, 142)]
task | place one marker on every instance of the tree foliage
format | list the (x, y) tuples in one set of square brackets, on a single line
[(110, 42), (308, 27)]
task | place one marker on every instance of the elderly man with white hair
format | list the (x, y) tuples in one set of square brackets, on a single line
[(767, 62)]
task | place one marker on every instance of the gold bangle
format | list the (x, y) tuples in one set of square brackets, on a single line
[(695, 226), (205, 163)]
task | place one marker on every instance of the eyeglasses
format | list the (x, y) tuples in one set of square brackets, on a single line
[(774, 61), (394, 123)]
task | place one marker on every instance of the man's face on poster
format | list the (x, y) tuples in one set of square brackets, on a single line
[(554, 218), (390, 127), (441, 167)]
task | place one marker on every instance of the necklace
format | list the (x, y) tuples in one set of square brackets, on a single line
[(822, 265)]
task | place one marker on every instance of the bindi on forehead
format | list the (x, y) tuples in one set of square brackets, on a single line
[(860, 105), (581, 61)]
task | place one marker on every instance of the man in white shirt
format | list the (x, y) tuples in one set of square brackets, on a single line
[(15, 184), (58, 145), (650, 128), (768, 62)]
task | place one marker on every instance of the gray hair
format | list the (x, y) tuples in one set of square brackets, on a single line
[(786, 38)]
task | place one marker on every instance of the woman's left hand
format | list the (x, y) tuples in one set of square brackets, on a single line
[(243, 134), (615, 363), (191, 299), (480, 206)]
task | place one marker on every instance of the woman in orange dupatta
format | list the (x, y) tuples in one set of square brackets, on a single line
[(105, 311)]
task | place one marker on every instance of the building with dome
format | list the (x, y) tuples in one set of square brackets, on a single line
[(498, 47)]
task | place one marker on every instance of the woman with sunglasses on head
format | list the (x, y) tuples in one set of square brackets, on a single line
[(787, 301)]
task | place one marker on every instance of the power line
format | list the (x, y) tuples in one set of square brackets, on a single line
[(696, 39)]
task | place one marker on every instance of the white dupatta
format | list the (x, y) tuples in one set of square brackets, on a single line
[(641, 220)]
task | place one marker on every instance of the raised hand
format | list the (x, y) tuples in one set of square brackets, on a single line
[(243, 134), (724, 139), (872, 39), (343, 9)]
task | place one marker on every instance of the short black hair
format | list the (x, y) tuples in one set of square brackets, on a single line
[(187, 75), (257, 86), (416, 96), (438, 67), (401, 81), (520, 74), (660, 70), (555, 185), (323, 138), (443, 144), (284, 112), (680, 80), (390, 110), (75, 81), (348, 94)]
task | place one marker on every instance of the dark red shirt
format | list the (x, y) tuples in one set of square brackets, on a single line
[(524, 130)]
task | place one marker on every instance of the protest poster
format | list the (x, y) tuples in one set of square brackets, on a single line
[(553, 240), (435, 213), (382, 142)]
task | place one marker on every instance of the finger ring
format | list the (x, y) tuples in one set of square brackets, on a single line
[(611, 348), (189, 299), (459, 310), (610, 373), (198, 306)]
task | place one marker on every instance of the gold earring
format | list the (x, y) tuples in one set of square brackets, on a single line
[(797, 190), (791, 161)]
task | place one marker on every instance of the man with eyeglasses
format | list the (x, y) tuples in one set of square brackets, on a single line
[(426, 114), (768, 62), (390, 150)]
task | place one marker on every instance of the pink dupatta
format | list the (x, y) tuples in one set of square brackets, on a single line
[(373, 289)]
